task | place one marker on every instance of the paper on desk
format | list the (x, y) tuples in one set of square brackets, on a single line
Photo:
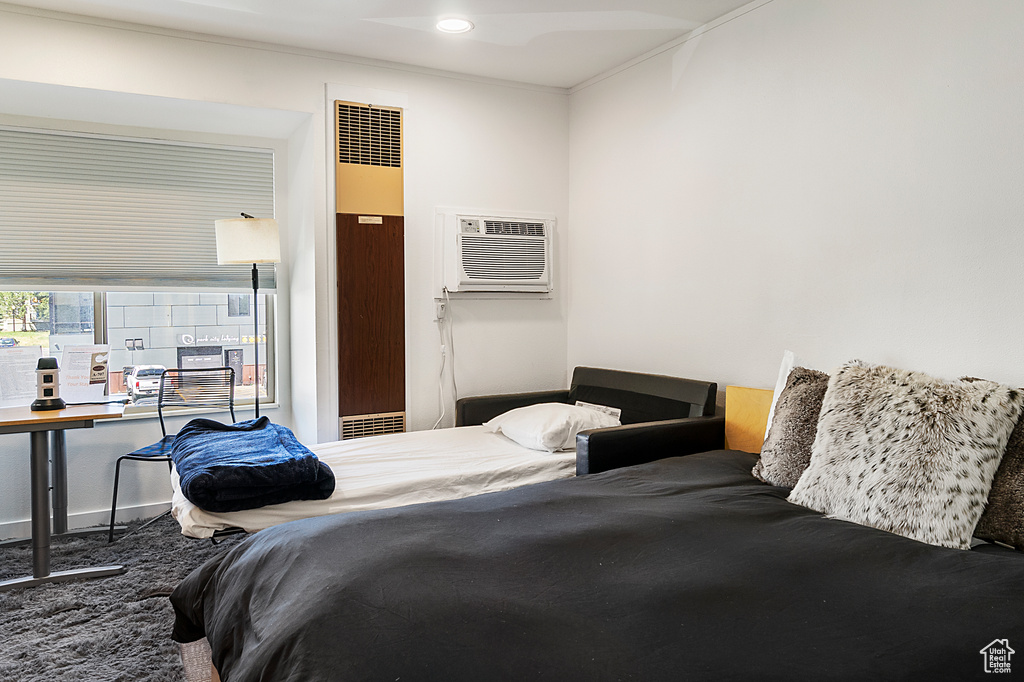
[(83, 373), (18, 375)]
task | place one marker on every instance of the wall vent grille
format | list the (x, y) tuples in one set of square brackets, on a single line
[(369, 136), (362, 425)]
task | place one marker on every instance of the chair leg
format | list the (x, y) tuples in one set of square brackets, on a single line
[(113, 503), (155, 518)]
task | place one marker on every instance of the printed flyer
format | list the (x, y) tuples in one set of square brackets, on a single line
[(83, 373)]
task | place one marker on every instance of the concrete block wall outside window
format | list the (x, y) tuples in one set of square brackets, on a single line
[(185, 329)]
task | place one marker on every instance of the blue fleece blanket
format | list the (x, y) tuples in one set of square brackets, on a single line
[(230, 467)]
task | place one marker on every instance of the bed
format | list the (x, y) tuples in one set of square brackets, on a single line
[(685, 566), (425, 466)]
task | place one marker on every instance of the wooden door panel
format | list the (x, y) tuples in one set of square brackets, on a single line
[(371, 314)]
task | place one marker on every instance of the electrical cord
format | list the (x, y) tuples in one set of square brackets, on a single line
[(447, 346), (440, 376), (451, 343)]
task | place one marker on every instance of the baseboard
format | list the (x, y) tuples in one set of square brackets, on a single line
[(101, 517)]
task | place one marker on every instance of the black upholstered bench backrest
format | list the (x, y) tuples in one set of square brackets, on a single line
[(643, 397)]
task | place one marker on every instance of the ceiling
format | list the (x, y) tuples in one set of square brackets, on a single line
[(558, 43)]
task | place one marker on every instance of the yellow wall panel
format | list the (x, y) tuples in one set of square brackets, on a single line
[(746, 416)]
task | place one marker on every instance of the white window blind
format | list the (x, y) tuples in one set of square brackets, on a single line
[(108, 213)]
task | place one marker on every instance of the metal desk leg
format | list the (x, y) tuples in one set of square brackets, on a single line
[(40, 506), (59, 474), (59, 495), (41, 527)]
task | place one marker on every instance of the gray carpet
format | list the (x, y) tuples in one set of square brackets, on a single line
[(100, 630)]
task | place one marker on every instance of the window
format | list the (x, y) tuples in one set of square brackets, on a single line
[(34, 324), (186, 330), (111, 240), (45, 319), (145, 330)]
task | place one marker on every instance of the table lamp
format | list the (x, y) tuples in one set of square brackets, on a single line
[(249, 240)]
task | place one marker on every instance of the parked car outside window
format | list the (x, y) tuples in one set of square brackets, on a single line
[(143, 381)]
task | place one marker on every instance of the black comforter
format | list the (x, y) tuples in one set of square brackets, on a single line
[(681, 569)]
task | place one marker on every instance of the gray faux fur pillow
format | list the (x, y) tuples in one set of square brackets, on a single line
[(1003, 519), (787, 449), (907, 453)]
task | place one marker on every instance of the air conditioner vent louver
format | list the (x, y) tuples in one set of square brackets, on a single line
[(369, 136), (519, 259), (360, 426), (517, 228)]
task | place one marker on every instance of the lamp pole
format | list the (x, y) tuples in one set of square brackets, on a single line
[(256, 335)]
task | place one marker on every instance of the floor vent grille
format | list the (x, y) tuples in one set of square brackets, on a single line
[(362, 425)]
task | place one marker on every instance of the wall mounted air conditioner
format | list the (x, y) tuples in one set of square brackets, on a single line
[(497, 253)]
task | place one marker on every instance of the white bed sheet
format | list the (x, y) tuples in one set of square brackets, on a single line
[(395, 470)]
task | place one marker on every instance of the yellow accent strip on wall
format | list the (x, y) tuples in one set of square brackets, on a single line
[(369, 190)]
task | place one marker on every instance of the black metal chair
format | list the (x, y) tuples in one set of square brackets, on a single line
[(212, 387)]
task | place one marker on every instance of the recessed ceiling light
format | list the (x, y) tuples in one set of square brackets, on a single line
[(454, 25)]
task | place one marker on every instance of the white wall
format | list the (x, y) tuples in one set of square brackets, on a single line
[(468, 143), (842, 179)]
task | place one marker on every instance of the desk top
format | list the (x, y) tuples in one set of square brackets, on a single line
[(23, 416)]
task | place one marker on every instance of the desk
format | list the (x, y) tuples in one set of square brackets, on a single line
[(38, 425)]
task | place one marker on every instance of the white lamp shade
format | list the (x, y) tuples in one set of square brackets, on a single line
[(247, 240)]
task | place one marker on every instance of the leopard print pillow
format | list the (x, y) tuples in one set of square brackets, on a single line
[(907, 453)]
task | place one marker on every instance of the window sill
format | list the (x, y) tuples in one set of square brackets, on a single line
[(133, 413)]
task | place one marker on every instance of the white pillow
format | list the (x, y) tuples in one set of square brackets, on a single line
[(548, 426), (788, 363)]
